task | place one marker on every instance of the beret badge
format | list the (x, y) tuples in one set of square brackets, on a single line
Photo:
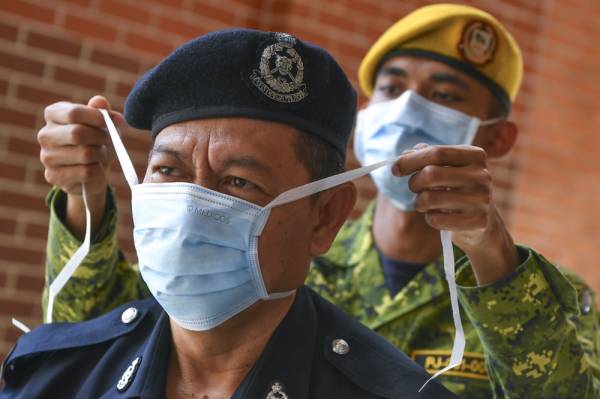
[(478, 43), (281, 71)]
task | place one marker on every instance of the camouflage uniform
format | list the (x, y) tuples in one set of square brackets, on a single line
[(533, 334)]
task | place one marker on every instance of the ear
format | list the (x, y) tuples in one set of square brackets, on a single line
[(498, 139), (333, 208)]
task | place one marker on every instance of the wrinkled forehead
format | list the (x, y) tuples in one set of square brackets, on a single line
[(242, 136)]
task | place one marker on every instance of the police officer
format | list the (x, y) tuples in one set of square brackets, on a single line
[(526, 322), (223, 253)]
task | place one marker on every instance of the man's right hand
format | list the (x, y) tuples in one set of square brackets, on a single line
[(76, 149)]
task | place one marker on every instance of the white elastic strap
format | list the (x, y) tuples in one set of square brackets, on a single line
[(131, 177), (67, 271), (20, 325), (458, 348), (326, 183), (124, 160)]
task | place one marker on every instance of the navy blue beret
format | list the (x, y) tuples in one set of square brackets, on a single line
[(247, 73)]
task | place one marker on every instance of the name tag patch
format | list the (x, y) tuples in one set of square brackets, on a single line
[(472, 366)]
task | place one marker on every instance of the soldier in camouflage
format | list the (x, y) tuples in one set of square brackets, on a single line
[(531, 327)]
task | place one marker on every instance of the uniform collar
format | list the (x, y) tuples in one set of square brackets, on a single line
[(286, 359)]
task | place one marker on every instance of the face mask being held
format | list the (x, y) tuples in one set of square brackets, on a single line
[(384, 130)]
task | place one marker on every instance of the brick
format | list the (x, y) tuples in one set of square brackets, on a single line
[(83, 3), (171, 3), (123, 89), (181, 28), (79, 78), (30, 283), (216, 13), (54, 44), (89, 27), (9, 307), (12, 172), (114, 60), (21, 201), (8, 32), (139, 141), (7, 226), (17, 118), (148, 44), (36, 231), (339, 22), (20, 255), (28, 10), (21, 64), (40, 96), (24, 146), (125, 11), (3, 87)]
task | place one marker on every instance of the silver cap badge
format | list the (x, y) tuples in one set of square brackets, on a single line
[(276, 392), (281, 71)]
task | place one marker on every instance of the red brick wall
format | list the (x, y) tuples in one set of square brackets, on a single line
[(72, 49)]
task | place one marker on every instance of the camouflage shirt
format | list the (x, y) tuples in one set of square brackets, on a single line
[(533, 334)]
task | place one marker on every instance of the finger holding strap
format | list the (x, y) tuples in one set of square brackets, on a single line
[(458, 348)]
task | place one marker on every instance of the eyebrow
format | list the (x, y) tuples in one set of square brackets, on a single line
[(449, 78), (161, 149), (247, 162), (393, 71)]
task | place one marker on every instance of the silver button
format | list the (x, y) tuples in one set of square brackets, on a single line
[(129, 315), (586, 302), (340, 346)]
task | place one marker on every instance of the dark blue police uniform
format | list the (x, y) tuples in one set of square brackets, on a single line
[(316, 352)]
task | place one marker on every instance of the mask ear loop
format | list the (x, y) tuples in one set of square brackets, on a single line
[(458, 347), (69, 269)]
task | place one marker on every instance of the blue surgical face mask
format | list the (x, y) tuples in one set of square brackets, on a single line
[(198, 248), (384, 130)]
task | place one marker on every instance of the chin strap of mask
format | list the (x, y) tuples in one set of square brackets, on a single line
[(458, 348), (67, 271)]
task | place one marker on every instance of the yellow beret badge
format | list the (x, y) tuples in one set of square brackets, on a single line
[(478, 43)]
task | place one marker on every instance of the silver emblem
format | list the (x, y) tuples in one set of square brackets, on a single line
[(281, 71), (129, 315), (128, 375), (276, 392), (586, 302), (340, 346)]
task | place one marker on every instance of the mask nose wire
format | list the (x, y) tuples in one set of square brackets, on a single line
[(69, 269)]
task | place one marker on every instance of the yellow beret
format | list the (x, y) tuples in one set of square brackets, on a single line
[(464, 37)]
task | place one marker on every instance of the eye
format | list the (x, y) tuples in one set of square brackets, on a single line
[(442, 96), (165, 170), (390, 90), (239, 183)]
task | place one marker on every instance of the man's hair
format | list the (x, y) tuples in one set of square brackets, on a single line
[(320, 158), (495, 108)]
